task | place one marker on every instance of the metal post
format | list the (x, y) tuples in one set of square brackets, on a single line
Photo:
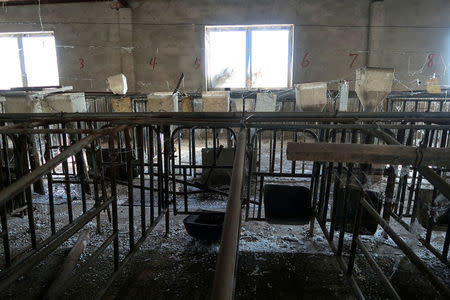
[(224, 279)]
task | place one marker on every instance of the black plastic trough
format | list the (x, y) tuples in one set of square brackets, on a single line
[(287, 204), (205, 225)]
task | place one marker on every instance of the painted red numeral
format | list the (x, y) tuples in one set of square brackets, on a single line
[(355, 56), (152, 62), (305, 61), (197, 63), (430, 60), (81, 63)]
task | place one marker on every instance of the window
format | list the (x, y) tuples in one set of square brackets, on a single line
[(257, 56), (28, 60)]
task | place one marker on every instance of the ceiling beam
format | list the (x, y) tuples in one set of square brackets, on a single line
[(124, 3), (35, 2)]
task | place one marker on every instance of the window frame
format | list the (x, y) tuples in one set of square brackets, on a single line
[(20, 36), (248, 52)]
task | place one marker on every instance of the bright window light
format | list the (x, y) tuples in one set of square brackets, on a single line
[(40, 61), (32, 64), (270, 58), (258, 56), (10, 72), (226, 61)]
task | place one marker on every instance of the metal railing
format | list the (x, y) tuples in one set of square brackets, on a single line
[(143, 156)]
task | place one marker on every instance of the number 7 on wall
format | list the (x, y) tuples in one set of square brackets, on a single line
[(355, 56)]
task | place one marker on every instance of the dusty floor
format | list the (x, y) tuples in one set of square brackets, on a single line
[(275, 262)]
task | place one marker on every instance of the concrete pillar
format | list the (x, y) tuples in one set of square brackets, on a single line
[(375, 34), (126, 49)]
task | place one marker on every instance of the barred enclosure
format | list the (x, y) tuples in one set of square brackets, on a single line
[(156, 165)]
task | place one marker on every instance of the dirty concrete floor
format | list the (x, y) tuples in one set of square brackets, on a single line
[(275, 262)]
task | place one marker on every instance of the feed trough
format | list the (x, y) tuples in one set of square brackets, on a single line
[(369, 224), (372, 86), (286, 204), (311, 96), (205, 225)]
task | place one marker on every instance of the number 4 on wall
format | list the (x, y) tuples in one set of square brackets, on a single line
[(152, 62)]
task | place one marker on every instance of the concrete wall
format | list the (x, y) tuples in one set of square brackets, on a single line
[(87, 38), (405, 35)]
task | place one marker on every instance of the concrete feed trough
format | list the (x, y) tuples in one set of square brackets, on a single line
[(311, 96), (162, 102), (372, 85)]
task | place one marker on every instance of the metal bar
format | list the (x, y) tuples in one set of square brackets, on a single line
[(5, 237), (114, 200), (426, 244), (4, 221), (273, 149), (185, 191), (154, 117), (344, 210), (368, 153), (323, 182), (384, 280), (354, 285), (407, 250), (173, 170), (224, 279), (82, 173), (261, 187), (167, 154), (18, 186), (50, 184), (129, 158), (160, 170), (128, 257), (95, 179), (52, 243), (428, 173), (194, 160), (150, 172), (66, 175), (85, 267), (140, 150), (356, 228), (389, 193), (23, 171), (335, 191)]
